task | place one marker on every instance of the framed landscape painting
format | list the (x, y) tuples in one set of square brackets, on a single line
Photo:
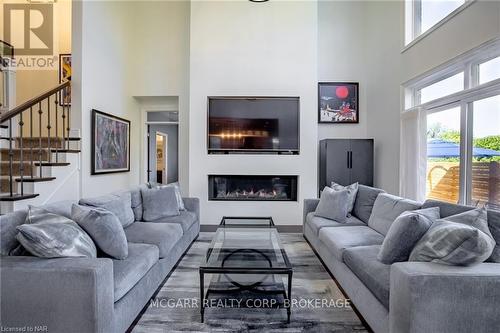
[(110, 143), (338, 102)]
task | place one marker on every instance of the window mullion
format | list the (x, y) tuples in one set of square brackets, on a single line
[(466, 153), (417, 18)]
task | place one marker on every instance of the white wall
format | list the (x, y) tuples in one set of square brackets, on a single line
[(161, 65), (261, 49), (342, 53), (102, 77), (127, 55)]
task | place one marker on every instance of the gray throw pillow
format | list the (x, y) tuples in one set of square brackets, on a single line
[(178, 194), (333, 205), (404, 233), (119, 204), (48, 235), (352, 190), (104, 228), (463, 239), (158, 203)]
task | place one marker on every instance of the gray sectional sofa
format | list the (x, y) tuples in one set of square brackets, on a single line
[(416, 297), (92, 295)]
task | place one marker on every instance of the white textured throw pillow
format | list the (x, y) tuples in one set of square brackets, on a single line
[(333, 205)]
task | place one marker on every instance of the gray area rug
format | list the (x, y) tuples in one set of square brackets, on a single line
[(319, 304)]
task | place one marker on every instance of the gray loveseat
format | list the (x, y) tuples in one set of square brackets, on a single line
[(92, 295), (407, 296)]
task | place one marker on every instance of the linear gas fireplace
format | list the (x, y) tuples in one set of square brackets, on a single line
[(252, 188)]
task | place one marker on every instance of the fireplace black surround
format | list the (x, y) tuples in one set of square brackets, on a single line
[(252, 188)]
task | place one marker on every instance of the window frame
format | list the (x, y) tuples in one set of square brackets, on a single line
[(473, 91), (413, 24)]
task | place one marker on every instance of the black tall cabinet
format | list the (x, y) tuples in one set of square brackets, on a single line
[(345, 161)]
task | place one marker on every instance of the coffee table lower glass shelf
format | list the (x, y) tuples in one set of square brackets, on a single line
[(247, 267)]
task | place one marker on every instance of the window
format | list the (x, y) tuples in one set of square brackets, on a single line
[(443, 155), (421, 15), (485, 174), (442, 88), (489, 70), (459, 104)]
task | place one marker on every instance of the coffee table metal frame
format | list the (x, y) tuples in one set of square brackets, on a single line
[(287, 270)]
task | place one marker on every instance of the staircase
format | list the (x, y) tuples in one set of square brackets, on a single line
[(39, 159)]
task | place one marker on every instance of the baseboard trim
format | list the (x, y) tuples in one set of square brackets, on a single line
[(288, 228)]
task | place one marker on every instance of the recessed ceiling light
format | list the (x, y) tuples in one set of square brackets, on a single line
[(258, 0)]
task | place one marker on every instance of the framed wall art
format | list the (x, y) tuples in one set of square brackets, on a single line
[(338, 102), (110, 143)]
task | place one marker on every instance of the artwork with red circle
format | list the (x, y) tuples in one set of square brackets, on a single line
[(338, 102), (342, 92)]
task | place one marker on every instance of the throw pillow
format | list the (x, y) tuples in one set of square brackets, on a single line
[(119, 204), (463, 239), (175, 185), (352, 190), (158, 203), (333, 205), (48, 235), (104, 228), (404, 233)]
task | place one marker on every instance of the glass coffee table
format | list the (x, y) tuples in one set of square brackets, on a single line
[(246, 257)]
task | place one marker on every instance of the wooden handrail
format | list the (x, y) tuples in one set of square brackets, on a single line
[(32, 102)]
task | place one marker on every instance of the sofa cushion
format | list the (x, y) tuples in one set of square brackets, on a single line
[(104, 228), (494, 225), (127, 272), (8, 231), (316, 222), (185, 219), (338, 239), (136, 201), (365, 198), (362, 261), (163, 235), (119, 203), (386, 209)]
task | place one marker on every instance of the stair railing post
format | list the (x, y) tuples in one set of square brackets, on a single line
[(21, 163), (40, 137), (48, 129), (68, 111), (63, 121), (11, 170), (57, 127), (32, 157)]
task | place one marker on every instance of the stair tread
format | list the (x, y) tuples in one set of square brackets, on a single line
[(69, 151), (52, 163), (35, 179), (17, 197)]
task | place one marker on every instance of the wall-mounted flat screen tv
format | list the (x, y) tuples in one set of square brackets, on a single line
[(253, 125)]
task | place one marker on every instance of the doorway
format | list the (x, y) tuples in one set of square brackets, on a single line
[(161, 157), (162, 152)]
